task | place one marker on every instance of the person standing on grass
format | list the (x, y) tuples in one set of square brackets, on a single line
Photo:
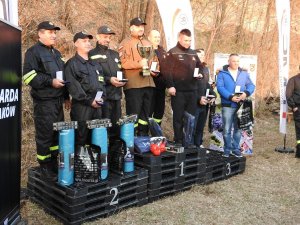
[(234, 85), (293, 101)]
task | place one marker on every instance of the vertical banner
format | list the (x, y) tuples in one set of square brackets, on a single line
[(9, 11), (176, 15), (283, 19)]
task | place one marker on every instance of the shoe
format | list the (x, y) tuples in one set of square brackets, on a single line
[(225, 155), (237, 154), (47, 173), (201, 146)]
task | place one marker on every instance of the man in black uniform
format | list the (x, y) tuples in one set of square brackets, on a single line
[(43, 66), (293, 100), (86, 79), (159, 95), (181, 82), (111, 65)]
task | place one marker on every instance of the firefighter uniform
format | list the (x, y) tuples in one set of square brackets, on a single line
[(182, 63), (293, 100), (41, 63), (139, 89), (110, 63), (159, 95), (86, 79)]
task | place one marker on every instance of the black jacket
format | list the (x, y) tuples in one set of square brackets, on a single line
[(110, 63), (182, 63), (160, 80), (40, 66), (293, 91), (85, 79), (203, 85)]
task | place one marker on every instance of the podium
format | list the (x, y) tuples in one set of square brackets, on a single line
[(10, 122)]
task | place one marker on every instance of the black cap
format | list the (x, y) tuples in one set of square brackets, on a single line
[(47, 25), (105, 30), (137, 22), (81, 35)]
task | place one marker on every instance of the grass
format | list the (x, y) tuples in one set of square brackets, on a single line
[(268, 192)]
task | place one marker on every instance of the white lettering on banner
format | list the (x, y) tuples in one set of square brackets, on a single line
[(283, 19), (8, 96)]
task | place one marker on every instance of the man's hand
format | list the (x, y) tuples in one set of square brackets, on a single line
[(172, 91), (115, 82), (236, 99), (95, 105), (243, 96), (68, 104), (56, 83), (203, 100)]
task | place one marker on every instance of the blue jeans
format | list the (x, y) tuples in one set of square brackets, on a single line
[(229, 118)]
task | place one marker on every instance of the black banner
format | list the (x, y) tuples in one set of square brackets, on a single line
[(10, 122)]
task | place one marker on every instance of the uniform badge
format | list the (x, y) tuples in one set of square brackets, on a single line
[(101, 78)]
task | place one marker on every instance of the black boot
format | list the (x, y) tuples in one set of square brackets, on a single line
[(54, 163), (297, 151), (47, 173)]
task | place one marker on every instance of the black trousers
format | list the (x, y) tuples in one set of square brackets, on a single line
[(297, 124), (183, 101), (200, 120), (158, 104), (81, 113), (138, 101), (112, 110), (45, 114)]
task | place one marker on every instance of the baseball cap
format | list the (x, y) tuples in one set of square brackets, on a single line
[(82, 35), (137, 22), (47, 25), (105, 30)]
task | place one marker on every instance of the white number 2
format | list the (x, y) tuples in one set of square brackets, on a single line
[(114, 201)]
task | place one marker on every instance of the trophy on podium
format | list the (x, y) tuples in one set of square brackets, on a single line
[(145, 52)]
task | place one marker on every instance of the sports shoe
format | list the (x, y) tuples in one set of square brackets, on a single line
[(225, 155), (201, 146), (237, 154)]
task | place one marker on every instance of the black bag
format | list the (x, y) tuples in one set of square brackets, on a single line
[(245, 115), (87, 163), (116, 155)]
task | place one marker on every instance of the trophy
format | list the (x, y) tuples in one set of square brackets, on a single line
[(145, 52)]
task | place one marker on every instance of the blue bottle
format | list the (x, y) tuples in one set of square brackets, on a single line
[(127, 134), (99, 138), (66, 142)]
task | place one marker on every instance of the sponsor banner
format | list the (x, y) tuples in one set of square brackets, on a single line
[(176, 15), (283, 19)]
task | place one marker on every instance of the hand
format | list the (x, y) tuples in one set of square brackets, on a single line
[(57, 83), (172, 91), (95, 105), (199, 77), (203, 100), (295, 109), (154, 74), (144, 63), (243, 96), (68, 104), (236, 99), (115, 82)]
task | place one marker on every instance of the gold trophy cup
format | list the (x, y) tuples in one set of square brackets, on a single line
[(145, 52)]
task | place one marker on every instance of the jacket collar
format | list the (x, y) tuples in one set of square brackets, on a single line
[(181, 47), (102, 47), (45, 46)]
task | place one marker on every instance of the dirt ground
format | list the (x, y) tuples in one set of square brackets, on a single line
[(268, 192)]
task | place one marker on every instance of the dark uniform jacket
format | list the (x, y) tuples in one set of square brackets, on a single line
[(160, 80), (203, 85), (40, 66), (293, 91), (182, 63), (86, 78), (110, 63)]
